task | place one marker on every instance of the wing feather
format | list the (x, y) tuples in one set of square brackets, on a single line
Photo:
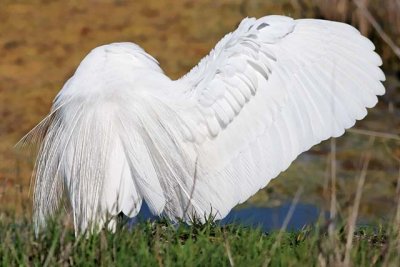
[(277, 86)]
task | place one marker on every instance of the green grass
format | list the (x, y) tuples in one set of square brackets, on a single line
[(164, 244)]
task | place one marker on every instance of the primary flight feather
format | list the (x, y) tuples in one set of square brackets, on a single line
[(120, 132)]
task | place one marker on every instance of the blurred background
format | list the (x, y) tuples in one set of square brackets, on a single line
[(43, 41)]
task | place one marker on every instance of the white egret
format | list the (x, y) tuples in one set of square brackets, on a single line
[(120, 132)]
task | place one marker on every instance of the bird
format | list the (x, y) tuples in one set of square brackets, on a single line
[(120, 133)]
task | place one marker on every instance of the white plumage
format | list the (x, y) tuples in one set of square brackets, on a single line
[(120, 132)]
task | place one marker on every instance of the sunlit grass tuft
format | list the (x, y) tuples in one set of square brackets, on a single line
[(162, 243)]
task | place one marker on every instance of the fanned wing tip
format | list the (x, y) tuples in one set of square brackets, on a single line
[(269, 91)]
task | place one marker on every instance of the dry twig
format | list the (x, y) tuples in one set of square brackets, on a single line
[(357, 200), (385, 37), (284, 226)]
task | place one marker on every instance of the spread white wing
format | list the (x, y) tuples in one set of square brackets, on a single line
[(121, 131), (269, 91)]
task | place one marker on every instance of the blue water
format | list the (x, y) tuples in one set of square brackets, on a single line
[(265, 218), (273, 218)]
